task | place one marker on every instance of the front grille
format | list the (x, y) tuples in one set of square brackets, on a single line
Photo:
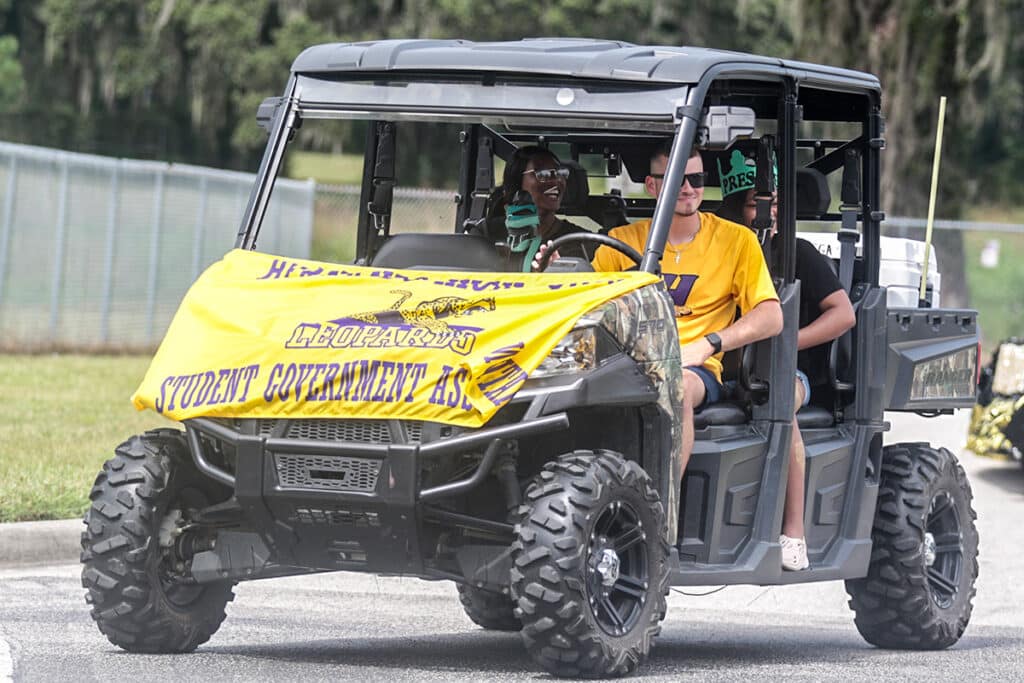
[(353, 431), (327, 473), (334, 517), (413, 431), (362, 431)]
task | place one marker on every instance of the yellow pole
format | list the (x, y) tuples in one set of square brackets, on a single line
[(931, 199)]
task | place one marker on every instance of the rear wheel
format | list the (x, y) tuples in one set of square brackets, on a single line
[(920, 583), (141, 596), (493, 611), (590, 566)]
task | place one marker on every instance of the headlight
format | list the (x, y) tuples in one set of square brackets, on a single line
[(576, 352)]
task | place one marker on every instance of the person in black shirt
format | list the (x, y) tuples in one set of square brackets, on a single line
[(538, 171), (825, 314)]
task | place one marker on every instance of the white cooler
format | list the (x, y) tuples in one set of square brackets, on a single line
[(899, 270)]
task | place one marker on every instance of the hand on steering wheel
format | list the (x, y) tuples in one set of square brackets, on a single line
[(550, 250)]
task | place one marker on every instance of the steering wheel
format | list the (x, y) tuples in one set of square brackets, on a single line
[(598, 238)]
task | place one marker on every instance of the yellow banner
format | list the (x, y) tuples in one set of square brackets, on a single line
[(264, 336)]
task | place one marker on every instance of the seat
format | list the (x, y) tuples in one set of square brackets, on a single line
[(813, 198), (721, 413), (813, 201), (577, 189), (439, 252), (814, 417), (731, 410), (491, 224), (607, 210)]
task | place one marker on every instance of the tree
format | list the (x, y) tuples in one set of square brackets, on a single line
[(920, 50), (12, 84), (180, 79)]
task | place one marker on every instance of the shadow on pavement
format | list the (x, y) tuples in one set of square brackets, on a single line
[(480, 651), (693, 649), (1009, 476)]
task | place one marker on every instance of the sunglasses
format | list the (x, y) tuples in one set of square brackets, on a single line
[(546, 175), (696, 180)]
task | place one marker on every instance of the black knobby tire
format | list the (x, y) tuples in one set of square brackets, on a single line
[(924, 560), (493, 611), (137, 600), (576, 510)]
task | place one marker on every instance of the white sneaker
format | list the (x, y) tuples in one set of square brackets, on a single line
[(794, 553)]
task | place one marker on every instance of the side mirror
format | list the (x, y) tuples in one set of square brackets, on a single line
[(724, 125), (265, 112)]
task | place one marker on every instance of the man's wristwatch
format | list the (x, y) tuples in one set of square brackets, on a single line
[(715, 341)]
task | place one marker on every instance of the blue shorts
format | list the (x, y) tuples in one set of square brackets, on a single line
[(712, 387), (807, 388)]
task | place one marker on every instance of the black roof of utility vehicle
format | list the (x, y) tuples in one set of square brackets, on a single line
[(561, 57)]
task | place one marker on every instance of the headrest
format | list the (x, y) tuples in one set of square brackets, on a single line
[(812, 194), (577, 189)]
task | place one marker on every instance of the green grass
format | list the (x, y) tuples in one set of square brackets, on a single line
[(996, 214), (65, 414), (996, 292), (334, 230), (333, 169), (63, 417)]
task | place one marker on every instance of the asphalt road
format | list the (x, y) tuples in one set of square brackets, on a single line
[(356, 627)]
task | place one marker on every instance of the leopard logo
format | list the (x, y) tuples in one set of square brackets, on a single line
[(426, 314)]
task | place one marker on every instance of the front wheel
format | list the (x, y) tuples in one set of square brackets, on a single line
[(142, 599), (590, 566), (924, 560), (489, 610)]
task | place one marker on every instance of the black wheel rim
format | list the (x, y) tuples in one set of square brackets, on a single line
[(617, 568), (943, 549), (177, 593)]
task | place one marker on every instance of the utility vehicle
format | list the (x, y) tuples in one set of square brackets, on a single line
[(997, 421), (565, 517)]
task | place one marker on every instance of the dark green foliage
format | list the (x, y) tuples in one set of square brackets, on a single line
[(12, 84), (180, 79)]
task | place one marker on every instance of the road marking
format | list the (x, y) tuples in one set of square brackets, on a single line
[(6, 663)]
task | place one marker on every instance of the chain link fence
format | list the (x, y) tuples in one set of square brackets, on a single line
[(991, 255), (412, 210), (96, 253)]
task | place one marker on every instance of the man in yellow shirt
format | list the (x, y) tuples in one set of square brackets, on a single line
[(711, 266)]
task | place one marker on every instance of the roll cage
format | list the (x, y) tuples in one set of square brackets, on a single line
[(613, 96)]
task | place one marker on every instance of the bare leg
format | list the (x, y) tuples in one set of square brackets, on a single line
[(793, 512), (693, 395)]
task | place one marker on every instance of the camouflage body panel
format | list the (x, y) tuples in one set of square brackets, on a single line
[(985, 435), (643, 322)]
